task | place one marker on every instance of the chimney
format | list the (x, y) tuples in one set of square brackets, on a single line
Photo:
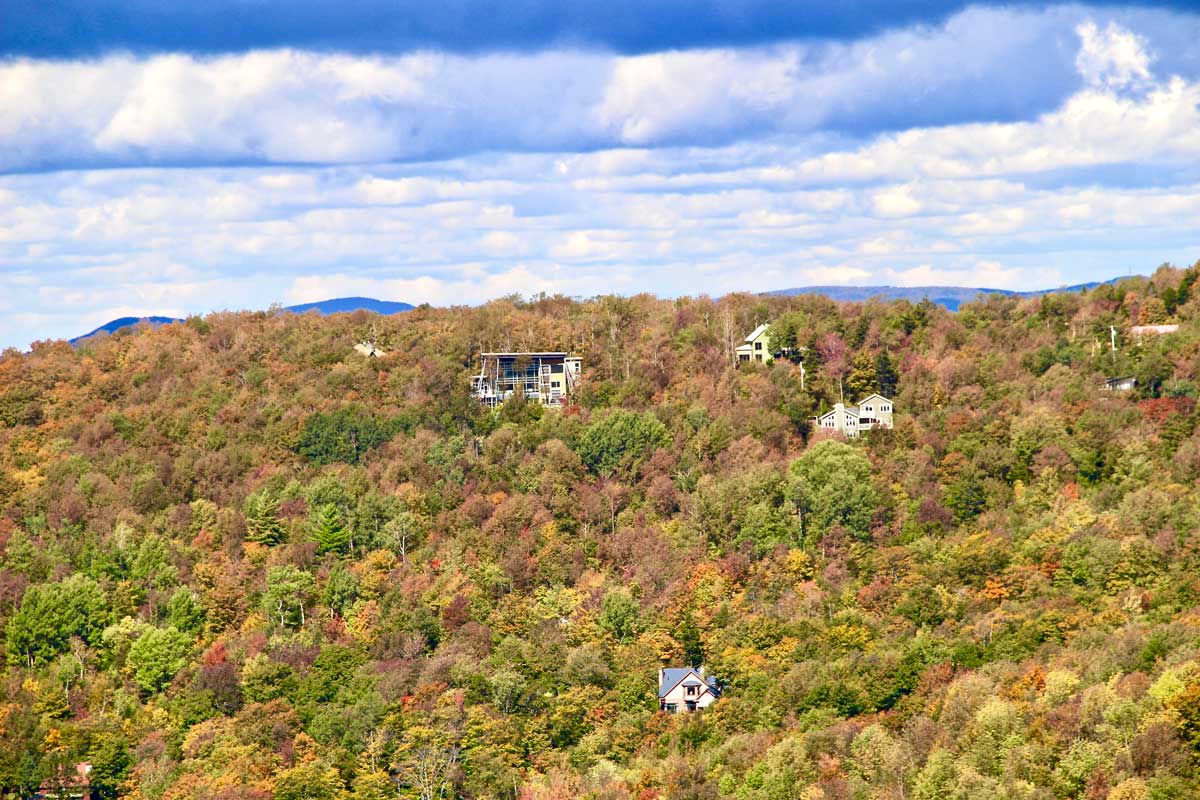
[(662, 673)]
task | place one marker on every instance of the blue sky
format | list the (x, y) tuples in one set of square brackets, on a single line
[(177, 158)]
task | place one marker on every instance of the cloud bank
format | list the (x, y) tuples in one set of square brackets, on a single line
[(183, 182), (291, 106)]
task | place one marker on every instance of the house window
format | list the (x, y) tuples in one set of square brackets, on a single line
[(672, 707), (691, 691), (743, 356), (691, 705), (759, 356), (758, 345)]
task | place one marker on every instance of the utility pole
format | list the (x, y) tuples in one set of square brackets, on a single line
[(1112, 336), (802, 376)]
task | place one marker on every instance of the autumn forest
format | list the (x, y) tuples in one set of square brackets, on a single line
[(240, 560)]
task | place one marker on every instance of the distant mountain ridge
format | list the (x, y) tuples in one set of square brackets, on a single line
[(337, 305), (340, 305), (950, 297)]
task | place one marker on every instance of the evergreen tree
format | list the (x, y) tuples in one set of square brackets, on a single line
[(887, 379), (329, 532), (262, 519)]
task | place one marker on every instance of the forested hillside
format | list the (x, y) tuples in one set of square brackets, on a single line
[(241, 561)]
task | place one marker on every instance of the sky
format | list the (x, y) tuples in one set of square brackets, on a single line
[(180, 157)]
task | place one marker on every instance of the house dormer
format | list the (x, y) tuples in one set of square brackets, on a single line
[(686, 689)]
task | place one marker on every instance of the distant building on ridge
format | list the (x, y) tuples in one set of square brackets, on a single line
[(1123, 384), (548, 378), (368, 349)]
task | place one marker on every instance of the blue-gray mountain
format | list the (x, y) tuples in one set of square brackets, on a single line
[(950, 297), (337, 305)]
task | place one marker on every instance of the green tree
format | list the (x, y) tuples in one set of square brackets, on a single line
[(50, 614), (619, 613), (887, 379), (621, 441), (938, 779), (308, 781), (831, 485), (156, 656), (184, 611), (262, 519), (328, 530), (110, 760), (289, 591), (345, 435)]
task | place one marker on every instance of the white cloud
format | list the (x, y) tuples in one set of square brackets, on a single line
[(896, 201), (287, 106), (981, 274), (505, 203), (1113, 57)]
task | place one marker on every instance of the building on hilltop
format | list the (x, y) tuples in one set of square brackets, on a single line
[(686, 689), (1122, 384), (755, 347), (547, 378), (368, 349), (1139, 331), (873, 411)]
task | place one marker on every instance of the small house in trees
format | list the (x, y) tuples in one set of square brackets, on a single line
[(1139, 331), (1123, 384), (686, 689), (548, 378), (368, 349), (873, 411), (66, 783), (755, 347)]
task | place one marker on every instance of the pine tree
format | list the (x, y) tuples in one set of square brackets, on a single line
[(262, 519), (329, 532), (886, 377)]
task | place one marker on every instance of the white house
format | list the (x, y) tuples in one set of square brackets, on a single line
[(1123, 384), (1139, 331), (548, 378), (368, 349), (755, 347), (873, 411), (686, 689)]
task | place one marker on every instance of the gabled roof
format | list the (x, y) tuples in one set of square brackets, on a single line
[(849, 410), (873, 396), (673, 676), (757, 332)]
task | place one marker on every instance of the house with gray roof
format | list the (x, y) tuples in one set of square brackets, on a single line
[(686, 689), (873, 411)]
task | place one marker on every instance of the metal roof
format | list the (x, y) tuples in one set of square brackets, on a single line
[(549, 354), (673, 676), (759, 331)]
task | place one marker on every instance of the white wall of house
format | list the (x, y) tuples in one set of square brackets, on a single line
[(681, 695)]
